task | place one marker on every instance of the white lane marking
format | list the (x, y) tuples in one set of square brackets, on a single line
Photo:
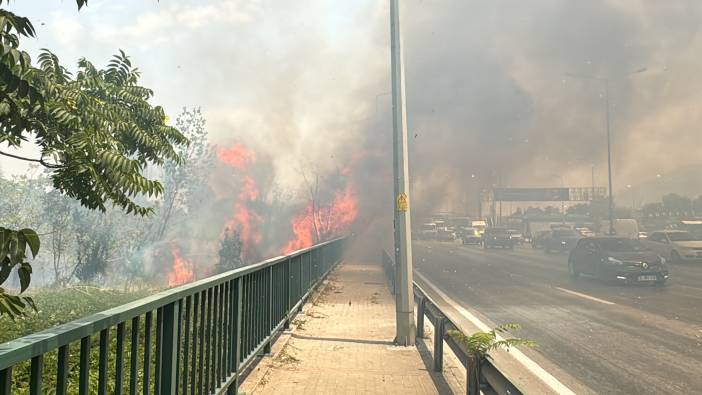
[(529, 363), (585, 296)]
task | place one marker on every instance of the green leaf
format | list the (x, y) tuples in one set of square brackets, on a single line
[(16, 254), (23, 89), (4, 242), (25, 275), (33, 240)]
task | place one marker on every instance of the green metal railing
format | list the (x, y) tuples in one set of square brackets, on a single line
[(491, 379), (194, 339)]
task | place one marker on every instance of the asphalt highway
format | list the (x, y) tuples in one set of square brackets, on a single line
[(593, 337)]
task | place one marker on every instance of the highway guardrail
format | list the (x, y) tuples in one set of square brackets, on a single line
[(491, 381)]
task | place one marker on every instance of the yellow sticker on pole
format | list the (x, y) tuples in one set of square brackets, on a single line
[(402, 202)]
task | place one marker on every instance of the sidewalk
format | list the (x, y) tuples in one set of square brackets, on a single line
[(342, 344)]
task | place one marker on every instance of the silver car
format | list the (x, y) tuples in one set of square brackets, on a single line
[(675, 245)]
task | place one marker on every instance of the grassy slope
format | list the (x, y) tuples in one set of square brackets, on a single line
[(58, 306)]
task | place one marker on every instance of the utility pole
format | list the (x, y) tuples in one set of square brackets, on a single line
[(609, 161), (499, 178), (480, 205), (592, 196), (404, 298)]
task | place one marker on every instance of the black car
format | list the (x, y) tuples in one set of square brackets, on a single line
[(560, 240), (517, 237), (617, 259), (537, 239), (497, 237)]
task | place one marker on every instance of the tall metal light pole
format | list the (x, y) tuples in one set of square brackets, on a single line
[(605, 80), (404, 298), (609, 161), (592, 195)]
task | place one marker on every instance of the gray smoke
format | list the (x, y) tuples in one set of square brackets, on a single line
[(496, 94)]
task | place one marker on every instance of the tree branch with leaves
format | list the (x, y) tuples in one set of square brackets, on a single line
[(96, 131)]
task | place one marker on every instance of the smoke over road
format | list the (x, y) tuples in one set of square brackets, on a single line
[(495, 96), (498, 93)]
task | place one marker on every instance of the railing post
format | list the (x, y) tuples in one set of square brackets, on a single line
[(439, 344), (35, 377), (472, 382), (169, 349), (288, 298), (84, 374), (6, 381), (267, 347), (421, 306), (236, 336), (302, 280)]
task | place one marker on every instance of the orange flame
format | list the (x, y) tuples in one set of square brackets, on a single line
[(245, 221), (237, 156), (182, 269), (316, 224), (249, 190)]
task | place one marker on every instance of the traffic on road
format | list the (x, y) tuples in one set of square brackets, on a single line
[(623, 310)]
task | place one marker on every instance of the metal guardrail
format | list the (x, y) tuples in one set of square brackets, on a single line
[(491, 380), (206, 334)]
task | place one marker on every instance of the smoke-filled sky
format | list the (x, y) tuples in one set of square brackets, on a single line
[(496, 89)]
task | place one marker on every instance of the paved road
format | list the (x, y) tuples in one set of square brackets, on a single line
[(613, 339)]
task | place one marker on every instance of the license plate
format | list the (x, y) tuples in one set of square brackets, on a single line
[(647, 278)]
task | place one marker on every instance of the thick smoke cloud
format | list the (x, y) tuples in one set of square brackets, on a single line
[(492, 99)]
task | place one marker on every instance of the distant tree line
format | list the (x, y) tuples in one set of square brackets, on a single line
[(673, 204)]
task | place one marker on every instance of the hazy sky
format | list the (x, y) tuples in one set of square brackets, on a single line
[(489, 83), (275, 74)]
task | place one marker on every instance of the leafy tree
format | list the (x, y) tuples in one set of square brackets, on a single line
[(229, 252), (579, 209), (58, 210), (95, 240), (677, 204), (478, 346), (697, 205), (534, 211), (653, 209), (185, 180), (96, 131), (20, 208)]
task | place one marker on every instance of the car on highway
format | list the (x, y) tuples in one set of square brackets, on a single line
[(617, 259), (471, 236), (516, 236), (585, 232), (480, 225), (445, 234), (560, 240), (537, 239), (677, 246), (427, 231), (497, 237)]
